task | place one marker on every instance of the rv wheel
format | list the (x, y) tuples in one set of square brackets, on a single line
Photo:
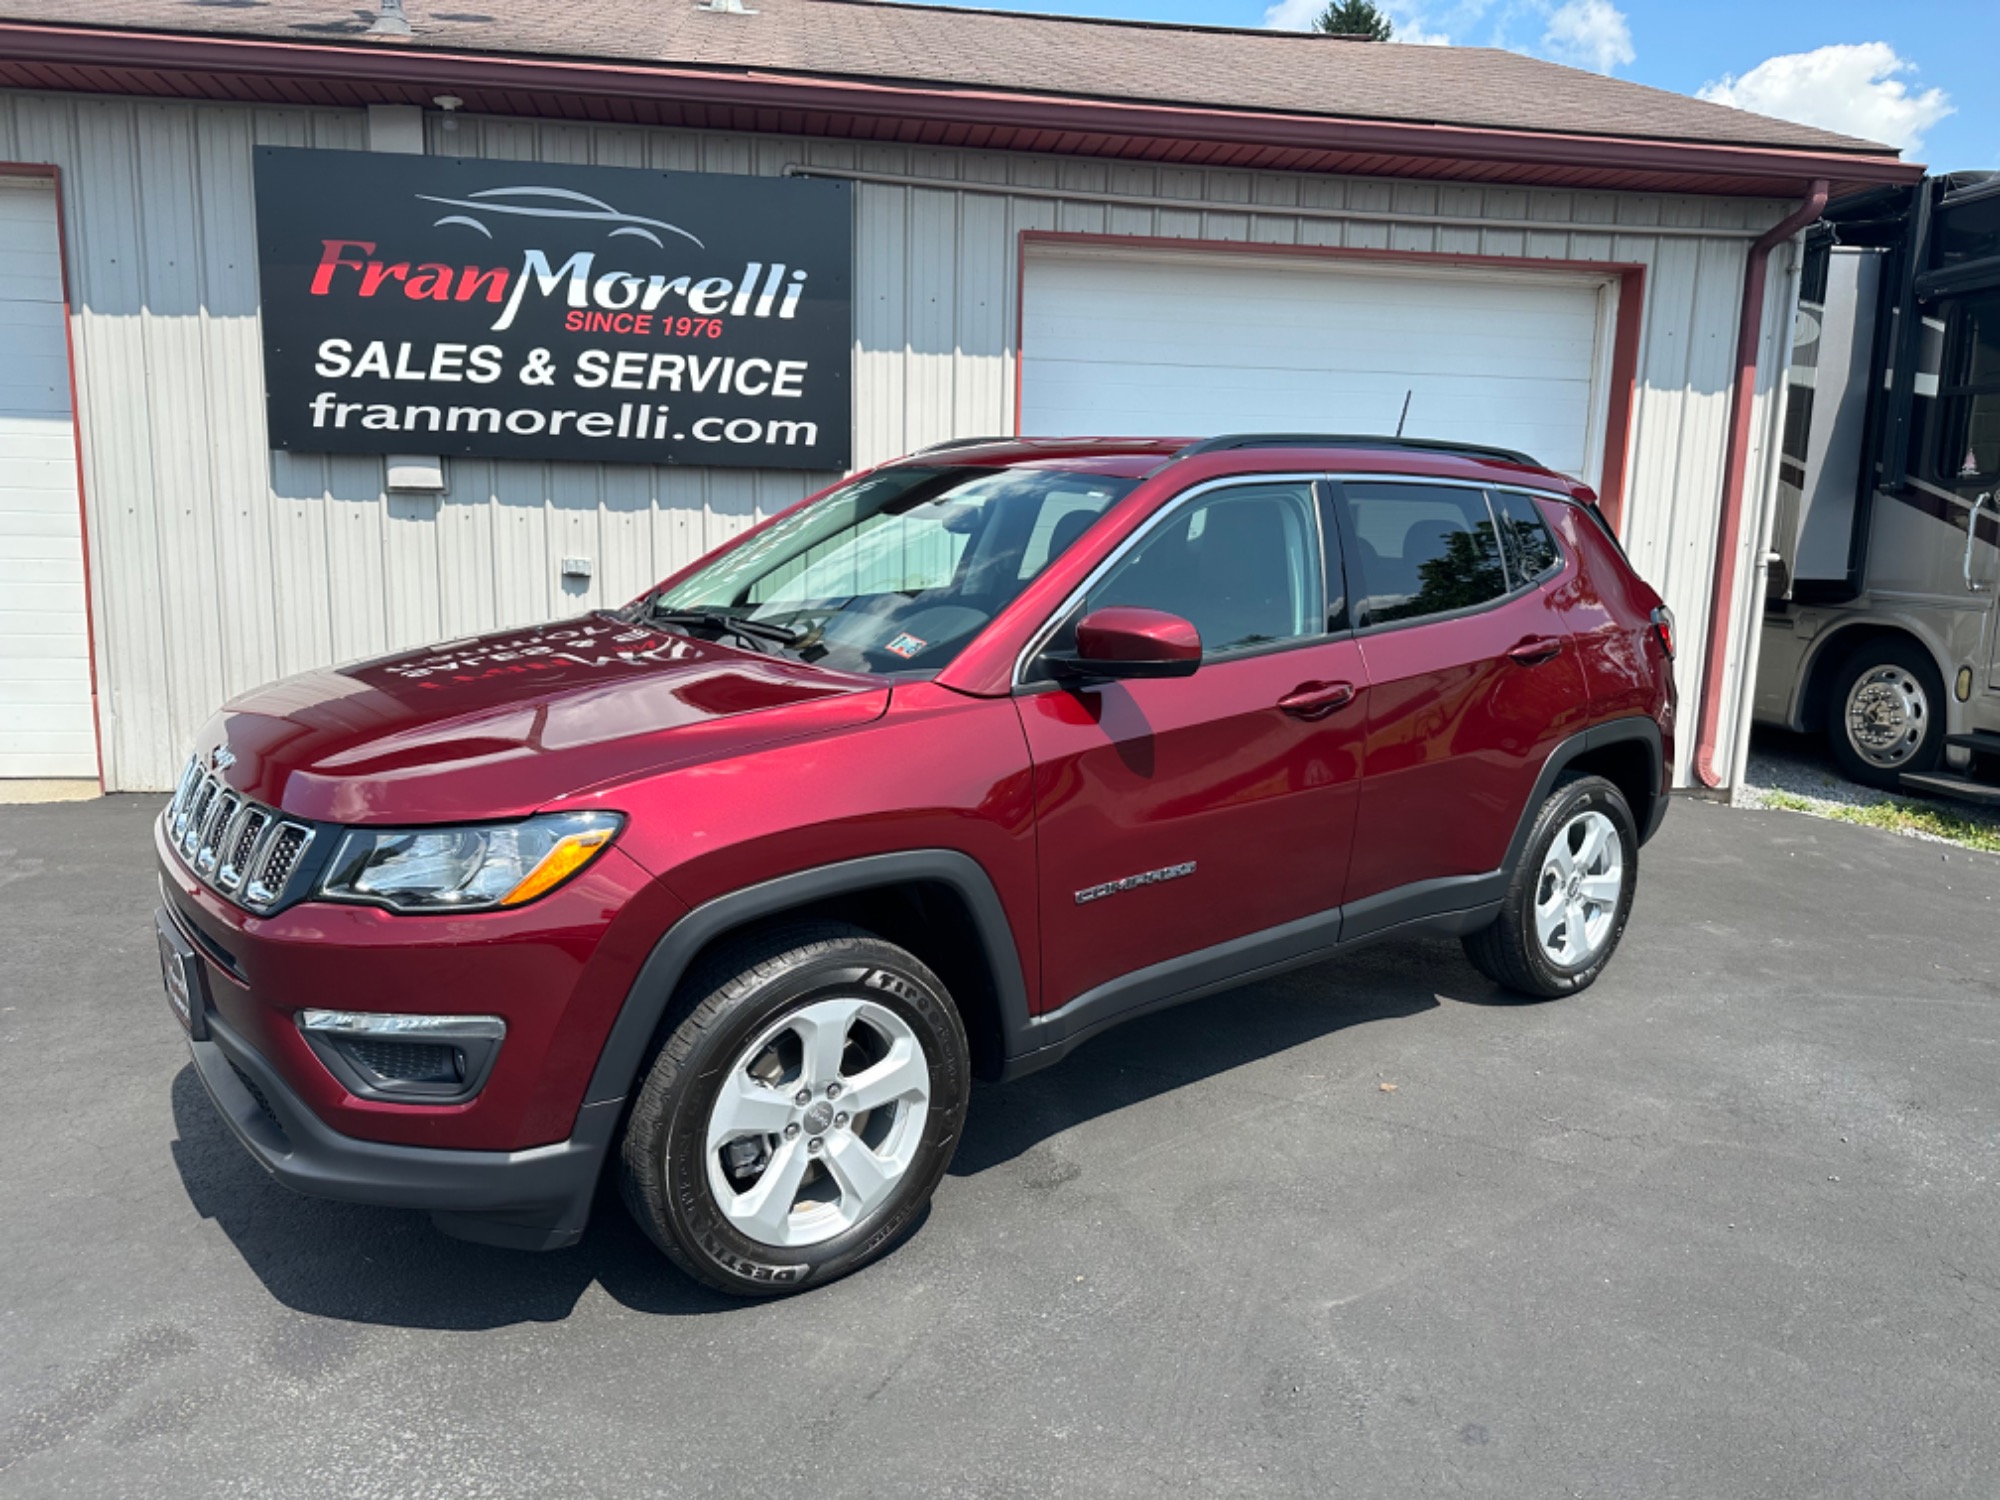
[(1885, 713)]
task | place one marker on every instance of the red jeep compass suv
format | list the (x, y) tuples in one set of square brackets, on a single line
[(932, 777)]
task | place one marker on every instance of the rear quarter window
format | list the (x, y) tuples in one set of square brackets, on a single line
[(1532, 553), (1422, 550)]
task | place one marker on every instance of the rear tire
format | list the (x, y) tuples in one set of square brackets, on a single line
[(1885, 713), (797, 1121), (1568, 897)]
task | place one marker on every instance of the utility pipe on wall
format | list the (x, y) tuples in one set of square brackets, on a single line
[(1735, 463), (1764, 525)]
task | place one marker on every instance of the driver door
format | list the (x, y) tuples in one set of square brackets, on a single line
[(1175, 814)]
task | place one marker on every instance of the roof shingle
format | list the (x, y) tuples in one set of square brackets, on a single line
[(974, 50)]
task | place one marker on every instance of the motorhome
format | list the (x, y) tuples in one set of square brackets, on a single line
[(1882, 606)]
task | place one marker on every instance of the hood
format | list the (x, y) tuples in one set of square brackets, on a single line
[(500, 725)]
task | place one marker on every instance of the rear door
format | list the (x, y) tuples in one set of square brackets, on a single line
[(1473, 679), (1175, 814)]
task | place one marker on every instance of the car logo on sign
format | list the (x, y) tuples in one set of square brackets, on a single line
[(223, 758)]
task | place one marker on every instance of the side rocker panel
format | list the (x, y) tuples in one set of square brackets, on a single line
[(1448, 906)]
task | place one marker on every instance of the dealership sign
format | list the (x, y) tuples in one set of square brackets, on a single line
[(422, 304)]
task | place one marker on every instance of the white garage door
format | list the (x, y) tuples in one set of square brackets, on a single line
[(45, 727), (1184, 343)]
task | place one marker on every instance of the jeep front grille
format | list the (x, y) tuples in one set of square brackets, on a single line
[(234, 846)]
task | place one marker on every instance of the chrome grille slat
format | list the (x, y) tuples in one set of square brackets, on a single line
[(235, 846), (221, 810), (245, 830), (277, 861), (187, 831)]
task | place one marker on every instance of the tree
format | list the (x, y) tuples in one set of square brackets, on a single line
[(1354, 18)]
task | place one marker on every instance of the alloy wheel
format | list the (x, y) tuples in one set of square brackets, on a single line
[(817, 1120), (1577, 894)]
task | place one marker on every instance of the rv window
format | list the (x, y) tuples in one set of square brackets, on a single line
[(1968, 446)]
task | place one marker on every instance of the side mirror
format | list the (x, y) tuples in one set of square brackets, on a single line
[(1125, 641)]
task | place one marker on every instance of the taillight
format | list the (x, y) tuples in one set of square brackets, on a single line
[(1663, 622)]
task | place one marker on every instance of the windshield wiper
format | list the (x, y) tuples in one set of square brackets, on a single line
[(758, 632)]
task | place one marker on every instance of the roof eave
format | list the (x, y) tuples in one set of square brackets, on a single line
[(264, 70)]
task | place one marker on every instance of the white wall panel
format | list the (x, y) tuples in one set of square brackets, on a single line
[(219, 563), (46, 727), (1121, 340)]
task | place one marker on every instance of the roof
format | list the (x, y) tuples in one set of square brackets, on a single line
[(837, 66), (1254, 452)]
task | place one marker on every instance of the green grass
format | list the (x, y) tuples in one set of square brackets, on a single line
[(1898, 817)]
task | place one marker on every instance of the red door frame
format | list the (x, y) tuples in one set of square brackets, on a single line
[(1625, 332), (53, 175)]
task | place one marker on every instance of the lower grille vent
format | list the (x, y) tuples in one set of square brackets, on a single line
[(413, 1062), (258, 1094)]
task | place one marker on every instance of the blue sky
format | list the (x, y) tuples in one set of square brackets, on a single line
[(1923, 74)]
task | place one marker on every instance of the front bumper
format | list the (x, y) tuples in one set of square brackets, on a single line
[(537, 1199)]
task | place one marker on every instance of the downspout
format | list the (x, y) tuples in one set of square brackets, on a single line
[(1735, 461), (1765, 527)]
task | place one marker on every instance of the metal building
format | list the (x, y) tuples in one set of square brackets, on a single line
[(1058, 226)]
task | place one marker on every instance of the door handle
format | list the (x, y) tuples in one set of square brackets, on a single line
[(1535, 648), (1971, 536), (1315, 700)]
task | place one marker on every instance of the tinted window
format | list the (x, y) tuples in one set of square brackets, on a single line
[(1065, 516), (894, 572), (1968, 448), (1242, 564), (1420, 550), (1531, 551)]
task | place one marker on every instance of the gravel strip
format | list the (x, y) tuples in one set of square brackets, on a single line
[(1798, 764)]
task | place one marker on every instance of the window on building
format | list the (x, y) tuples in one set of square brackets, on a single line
[(1421, 550)]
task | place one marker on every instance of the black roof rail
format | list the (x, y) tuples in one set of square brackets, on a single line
[(1352, 440), (971, 442)]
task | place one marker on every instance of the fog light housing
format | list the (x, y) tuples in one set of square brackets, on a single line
[(410, 1059)]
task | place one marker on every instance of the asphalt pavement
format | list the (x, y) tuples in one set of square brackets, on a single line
[(1726, 1225)]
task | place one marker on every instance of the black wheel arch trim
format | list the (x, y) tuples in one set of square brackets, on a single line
[(1612, 732), (632, 1034)]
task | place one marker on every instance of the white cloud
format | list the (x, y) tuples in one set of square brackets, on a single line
[(1298, 15), (1589, 34), (1851, 88), (1293, 15)]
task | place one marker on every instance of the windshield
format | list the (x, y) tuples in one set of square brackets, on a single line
[(894, 572)]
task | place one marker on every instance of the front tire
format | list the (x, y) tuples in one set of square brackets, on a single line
[(797, 1121), (1568, 898), (1885, 713)]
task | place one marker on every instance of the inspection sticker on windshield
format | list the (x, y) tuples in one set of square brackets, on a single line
[(906, 645)]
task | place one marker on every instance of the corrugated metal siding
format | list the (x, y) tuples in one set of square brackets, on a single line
[(220, 564)]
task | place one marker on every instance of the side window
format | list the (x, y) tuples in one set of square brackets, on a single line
[(1242, 564), (1064, 516), (1968, 443), (1531, 550), (1420, 550)]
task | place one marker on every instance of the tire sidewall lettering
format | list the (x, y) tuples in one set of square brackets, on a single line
[(687, 1196)]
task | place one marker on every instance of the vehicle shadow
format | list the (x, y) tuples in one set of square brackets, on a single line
[(1176, 1048), (390, 1267)]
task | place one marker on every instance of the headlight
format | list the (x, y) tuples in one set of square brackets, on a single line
[(466, 869)]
